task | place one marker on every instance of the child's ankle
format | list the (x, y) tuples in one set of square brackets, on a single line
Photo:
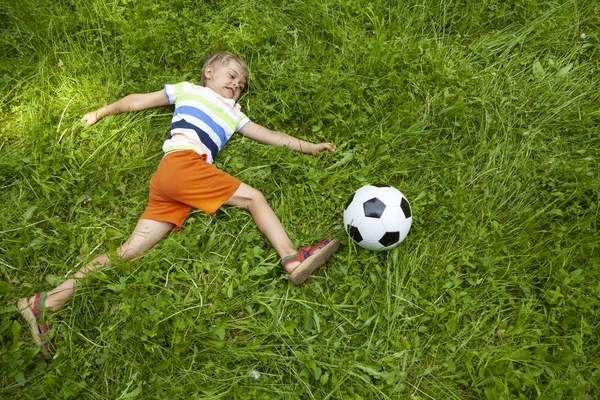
[(291, 266), (47, 306)]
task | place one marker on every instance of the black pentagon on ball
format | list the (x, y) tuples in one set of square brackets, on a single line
[(374, 208), (355, 234), (389, 238), (350, 200), (405, 207)]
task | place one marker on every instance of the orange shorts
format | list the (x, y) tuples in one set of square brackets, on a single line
[(184, 180)]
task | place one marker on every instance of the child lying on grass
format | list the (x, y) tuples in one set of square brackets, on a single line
[(205, 117)]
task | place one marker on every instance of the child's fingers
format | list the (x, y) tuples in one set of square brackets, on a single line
[(89, 118), (329, 147), (324, 146)]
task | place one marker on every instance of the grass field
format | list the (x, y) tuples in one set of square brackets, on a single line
[(483, 113)]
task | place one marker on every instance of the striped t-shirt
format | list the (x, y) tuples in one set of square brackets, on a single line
[(203, 119)]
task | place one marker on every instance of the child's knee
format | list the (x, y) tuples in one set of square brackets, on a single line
[(247, 198), (128, 252), (255, 198)]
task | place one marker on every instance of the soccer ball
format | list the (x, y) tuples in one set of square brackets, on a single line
[(377, 217)]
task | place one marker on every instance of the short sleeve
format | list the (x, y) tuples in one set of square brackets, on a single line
[(242, 122), (170, 92)]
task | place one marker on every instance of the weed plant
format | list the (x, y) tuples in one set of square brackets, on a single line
[(484, 113)]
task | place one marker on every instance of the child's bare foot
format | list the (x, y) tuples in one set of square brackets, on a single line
[(308, 259), (30, 311)]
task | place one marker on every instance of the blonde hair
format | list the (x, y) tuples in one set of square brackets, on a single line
[(220, 59)]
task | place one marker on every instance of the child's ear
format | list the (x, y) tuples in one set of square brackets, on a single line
[(208, 72)]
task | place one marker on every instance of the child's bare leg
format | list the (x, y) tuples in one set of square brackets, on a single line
[(266, 220), (145, 235)]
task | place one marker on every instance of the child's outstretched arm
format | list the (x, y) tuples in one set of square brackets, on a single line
[(264, 135), (132, 102)]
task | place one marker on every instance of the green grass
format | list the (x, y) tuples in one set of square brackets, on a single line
[(485, 114)]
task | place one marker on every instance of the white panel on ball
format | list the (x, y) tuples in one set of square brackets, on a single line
[(405, 228), (390, 196), (365, 193), (392, 218), (369, 245), (371, 229), (354, 214)]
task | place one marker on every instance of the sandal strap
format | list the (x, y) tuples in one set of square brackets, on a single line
[(40, 299), (287, 259), (324, 242), (42, 327), (304, 252)]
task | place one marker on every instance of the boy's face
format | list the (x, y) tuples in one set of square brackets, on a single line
[(227, 80)]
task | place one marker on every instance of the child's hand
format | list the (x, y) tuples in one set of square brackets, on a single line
[(90, 118), (322, 146)]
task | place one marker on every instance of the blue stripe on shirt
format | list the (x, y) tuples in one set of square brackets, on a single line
[(182, 111), (203, 136)]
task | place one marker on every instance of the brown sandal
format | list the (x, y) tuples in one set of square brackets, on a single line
[(310, 259)]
